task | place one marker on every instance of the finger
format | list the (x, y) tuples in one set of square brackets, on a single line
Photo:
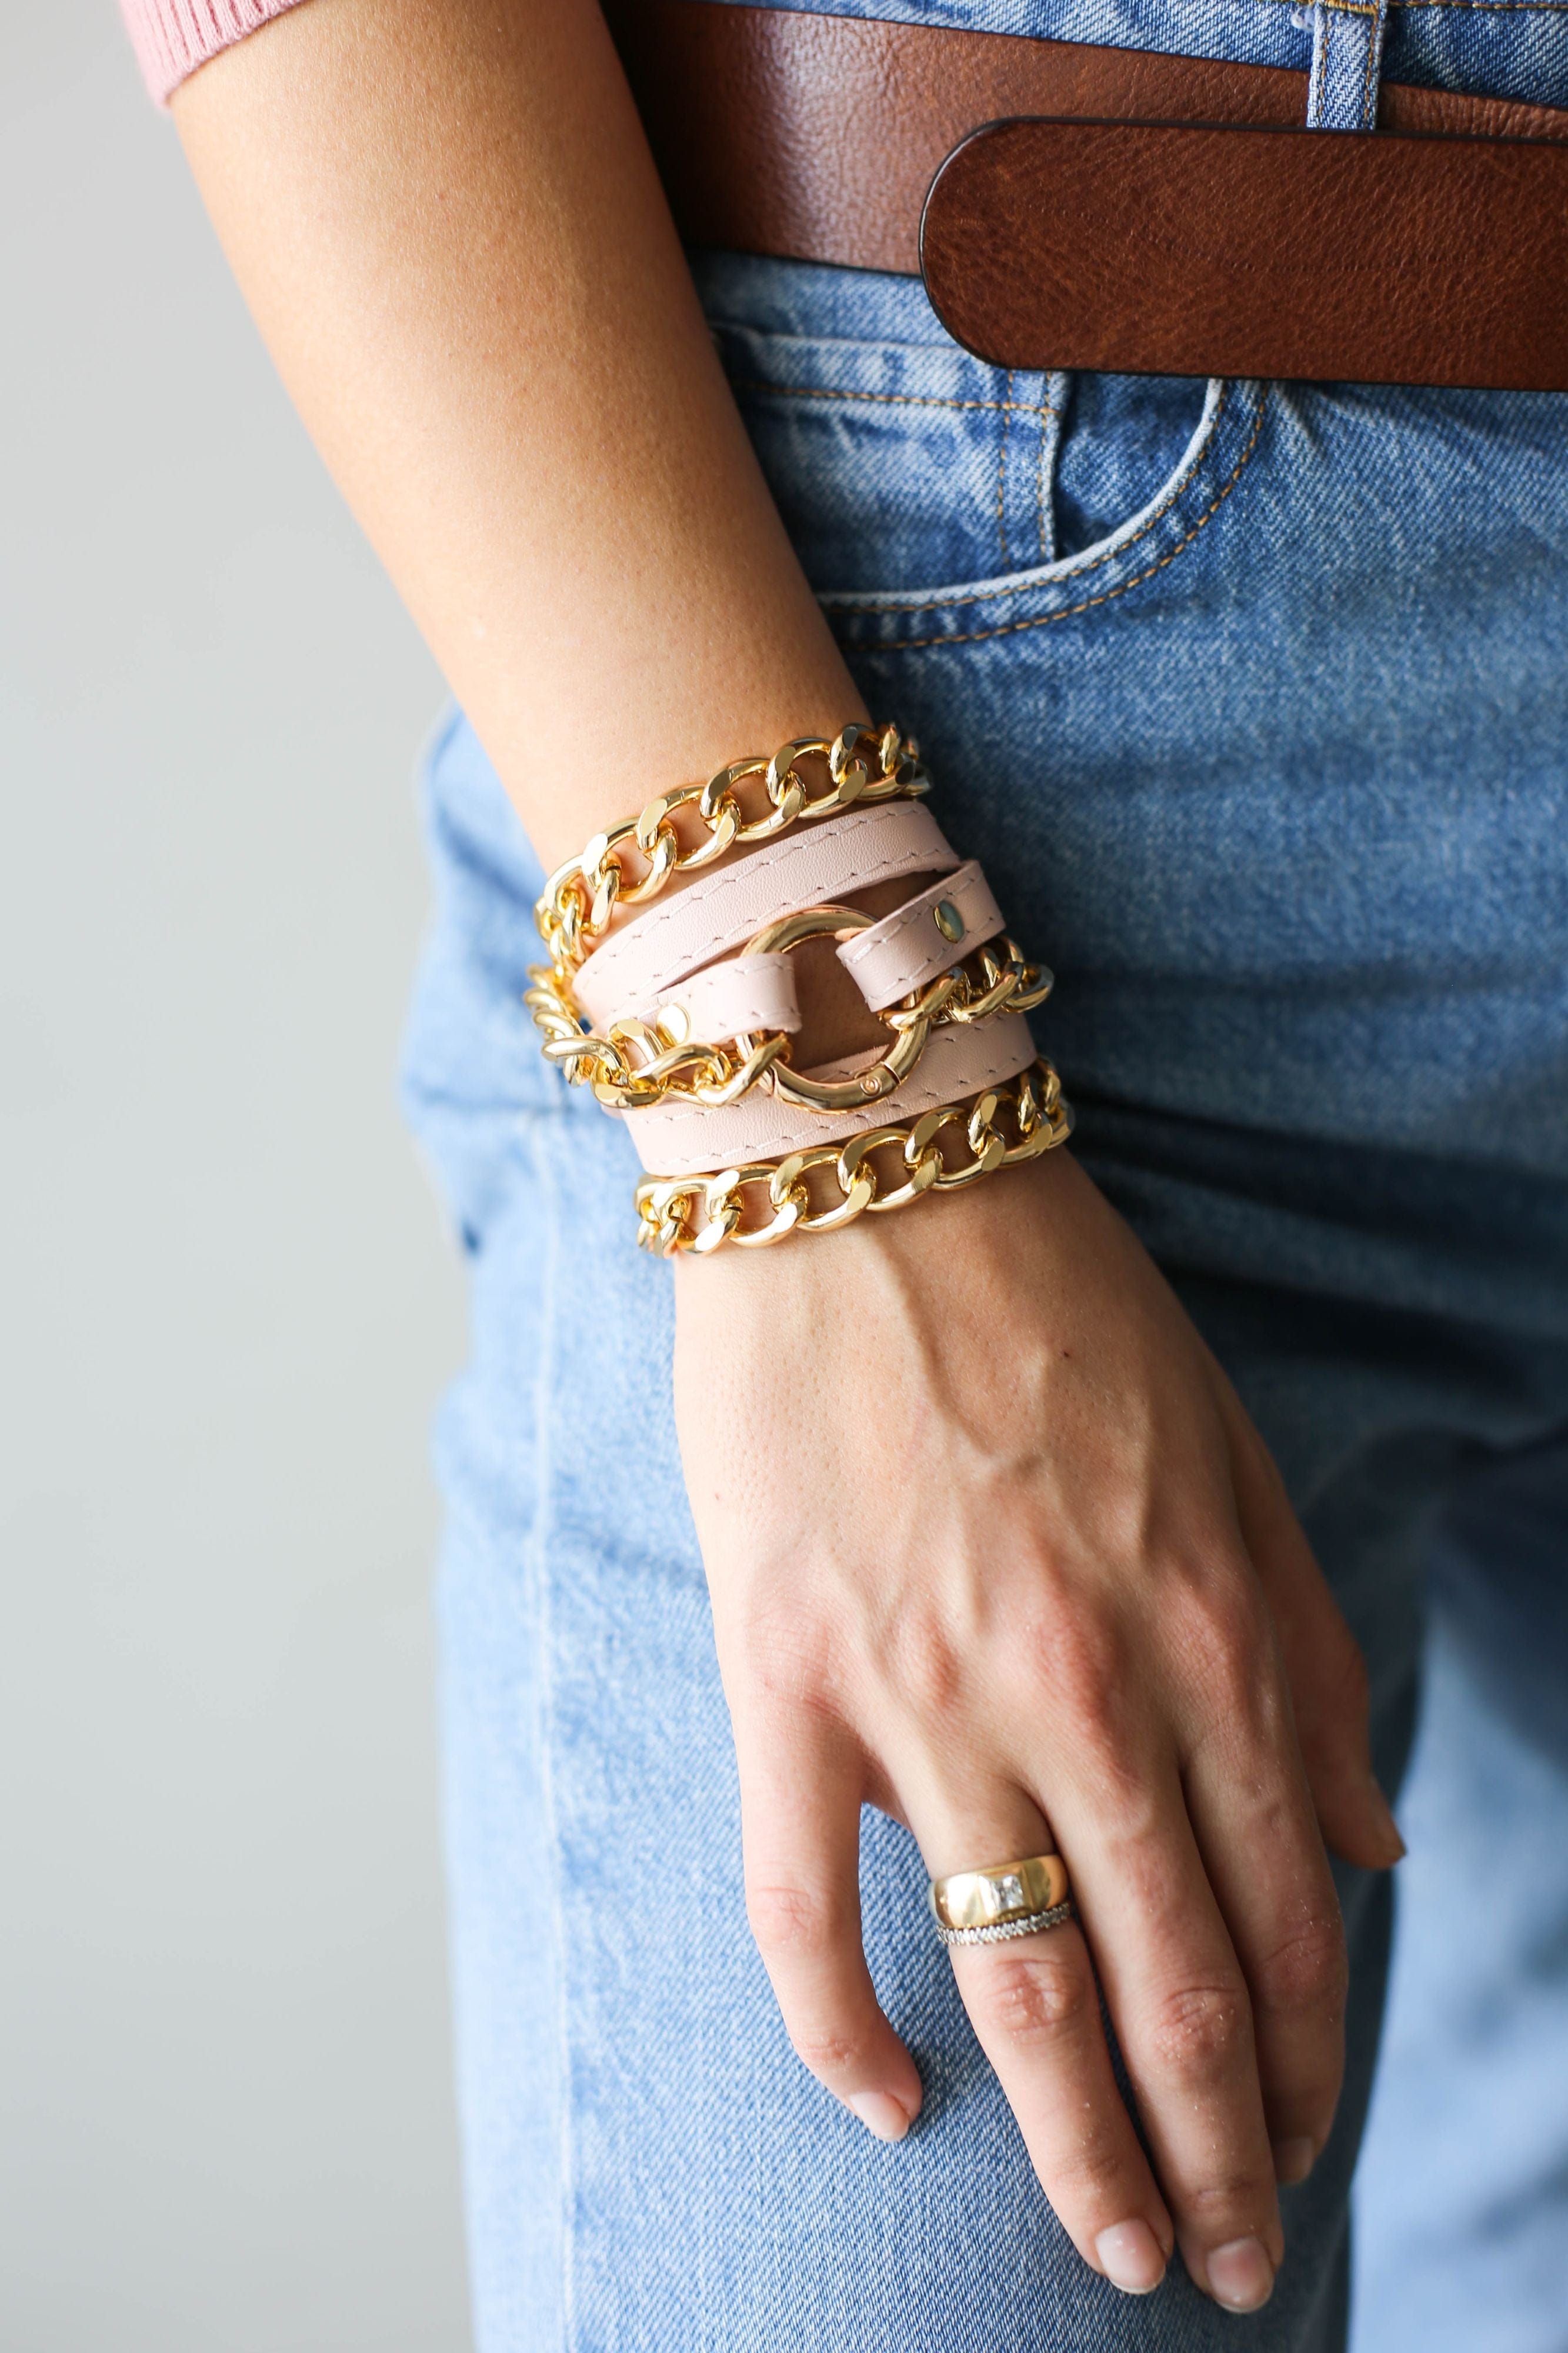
[(1323, 1663), (1180, 2004), (800, 1809), (1035, 2007), (1252, 1816)]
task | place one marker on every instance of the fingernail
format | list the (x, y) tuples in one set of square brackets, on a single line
[(1130, 2257), (1240, 2275), (1396, 1846), (880, 2114), (1293, 2160)]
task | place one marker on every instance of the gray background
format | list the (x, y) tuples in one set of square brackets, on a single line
[(227, 1305)]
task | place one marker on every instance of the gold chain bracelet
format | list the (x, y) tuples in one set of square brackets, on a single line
[(864, 765), (636, 1065), (1007, 1125)]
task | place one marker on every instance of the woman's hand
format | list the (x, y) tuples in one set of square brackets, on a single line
[(1003, 1555)]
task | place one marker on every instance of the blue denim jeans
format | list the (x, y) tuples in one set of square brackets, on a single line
[(1462, 2196), (1253, 699)]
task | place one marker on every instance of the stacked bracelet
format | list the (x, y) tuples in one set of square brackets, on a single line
[(682, 1018)]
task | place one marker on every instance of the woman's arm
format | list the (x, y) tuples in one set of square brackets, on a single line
[(448, 226), (996, 1547)]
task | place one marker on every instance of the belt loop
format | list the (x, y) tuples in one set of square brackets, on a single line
[(1347, 59)]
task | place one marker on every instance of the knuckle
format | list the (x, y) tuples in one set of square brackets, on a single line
[(791, 1923), (1090, 2176), (1082, 1660), (785, 1661), (1228, 1630), (1197, 2030), (1034, 1999), (1236, 1674), (829, 2054), (1234, 2195), (1308, 1969), (927, 1666), (1245, 1699)]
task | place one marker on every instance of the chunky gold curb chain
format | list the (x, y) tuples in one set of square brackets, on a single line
[(864, 765), (1007, 1125)]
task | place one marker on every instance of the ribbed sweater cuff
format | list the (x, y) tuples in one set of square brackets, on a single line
[(172, 37)]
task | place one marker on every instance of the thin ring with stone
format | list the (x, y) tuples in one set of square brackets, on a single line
[(1032, 1923)]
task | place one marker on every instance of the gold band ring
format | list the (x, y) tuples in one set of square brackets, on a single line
[(1001, 1900)]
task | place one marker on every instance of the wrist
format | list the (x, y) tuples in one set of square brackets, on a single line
[(760, 1113)]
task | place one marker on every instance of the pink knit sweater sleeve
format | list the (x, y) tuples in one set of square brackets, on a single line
[(172, 37)]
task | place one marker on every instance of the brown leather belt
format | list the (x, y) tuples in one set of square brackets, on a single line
[(1071, 205)]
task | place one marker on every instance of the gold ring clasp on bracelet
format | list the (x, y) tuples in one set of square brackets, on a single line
[(878, 1079)]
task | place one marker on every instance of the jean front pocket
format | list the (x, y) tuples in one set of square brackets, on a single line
[(1171, 524), (935, 499)]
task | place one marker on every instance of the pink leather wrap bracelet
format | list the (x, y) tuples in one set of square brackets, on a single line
[(671, 989)]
